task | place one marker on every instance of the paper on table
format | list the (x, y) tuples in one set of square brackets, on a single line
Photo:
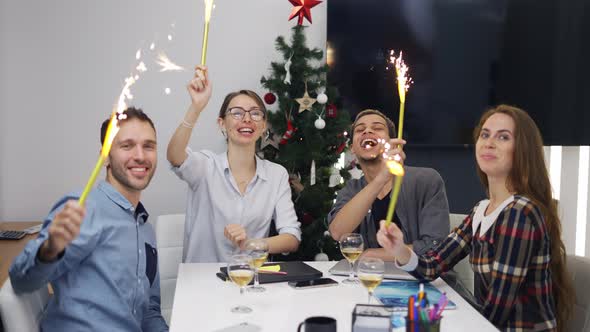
[(270, 268)]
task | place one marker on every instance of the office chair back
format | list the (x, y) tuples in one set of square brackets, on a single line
[(23, 312), (169, 231), (579, 269)]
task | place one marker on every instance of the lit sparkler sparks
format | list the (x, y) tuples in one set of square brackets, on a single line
[(141, 67), (403, 84), (395, 164), (166, 64), (113, 127)]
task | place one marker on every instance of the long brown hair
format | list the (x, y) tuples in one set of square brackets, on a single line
[(529, 177)]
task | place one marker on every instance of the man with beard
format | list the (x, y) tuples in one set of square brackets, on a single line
[(101, 258), (422, 210)]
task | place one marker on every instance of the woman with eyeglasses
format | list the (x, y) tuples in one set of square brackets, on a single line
[(234, 195)]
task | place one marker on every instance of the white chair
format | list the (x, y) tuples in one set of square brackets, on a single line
[(169, 231), (463, 268), (22, 312), (579, 269)]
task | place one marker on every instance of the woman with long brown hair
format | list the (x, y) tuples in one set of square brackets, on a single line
[(513, 238)]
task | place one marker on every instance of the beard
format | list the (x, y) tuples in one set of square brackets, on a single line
[(369, 160), (118, 172)]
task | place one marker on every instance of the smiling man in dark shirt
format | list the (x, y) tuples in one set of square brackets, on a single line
[(422, 210)]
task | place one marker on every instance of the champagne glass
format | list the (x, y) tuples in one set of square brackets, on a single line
[(241, 273), (370, 271), (351, 246), (258, 251)]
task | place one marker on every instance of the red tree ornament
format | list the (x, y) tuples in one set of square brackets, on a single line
[(302, 9), (341, 147), (307, 219), (270, 98), (331, 111), (288, 134)]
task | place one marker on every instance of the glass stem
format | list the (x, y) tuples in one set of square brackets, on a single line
[(370, 295), (241, 290), (351, 277), (256, 278)]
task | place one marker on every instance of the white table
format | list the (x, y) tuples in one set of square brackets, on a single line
[(202, 302)]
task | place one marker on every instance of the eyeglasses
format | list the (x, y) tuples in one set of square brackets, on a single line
[(239, 113)]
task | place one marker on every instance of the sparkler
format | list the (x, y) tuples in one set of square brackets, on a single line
[(395, 164), (113, 128), (208, 8), (403, 84), (396, 168), (166, 64)]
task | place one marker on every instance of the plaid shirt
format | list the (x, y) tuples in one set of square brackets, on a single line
[(511, 264)]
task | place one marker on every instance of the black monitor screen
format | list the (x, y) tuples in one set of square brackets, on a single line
[(464, 56)]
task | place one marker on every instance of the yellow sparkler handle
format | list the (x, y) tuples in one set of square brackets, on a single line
[(400, 129), (205, 40), (393, 201), (91, 180)]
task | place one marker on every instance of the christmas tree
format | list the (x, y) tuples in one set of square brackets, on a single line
[(308, 136)]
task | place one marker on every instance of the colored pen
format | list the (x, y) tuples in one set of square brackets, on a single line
[(423, 316), (442, 302), (434, 312), (411, 307), (421, 292)]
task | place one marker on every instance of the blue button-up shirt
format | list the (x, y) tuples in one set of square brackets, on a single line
[(107, 278)]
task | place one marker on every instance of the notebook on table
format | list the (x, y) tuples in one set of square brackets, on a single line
[(395, 294), (294, 271), (342, 268)]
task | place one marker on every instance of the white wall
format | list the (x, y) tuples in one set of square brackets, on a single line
[(62, 64), (569, 176)]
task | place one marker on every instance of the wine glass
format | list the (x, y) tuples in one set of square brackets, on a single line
[(258, 251), (241, 273), (351, 246), (370, 271)]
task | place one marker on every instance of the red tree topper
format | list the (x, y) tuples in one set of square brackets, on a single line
[(302, 9)]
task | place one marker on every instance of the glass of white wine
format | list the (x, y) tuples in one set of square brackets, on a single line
[(241, 273), (258, 251), (351, 246), (370, 271)]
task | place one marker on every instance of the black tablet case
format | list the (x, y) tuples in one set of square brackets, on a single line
[(296, 271)]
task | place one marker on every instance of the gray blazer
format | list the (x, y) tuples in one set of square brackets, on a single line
[(422, 207)]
